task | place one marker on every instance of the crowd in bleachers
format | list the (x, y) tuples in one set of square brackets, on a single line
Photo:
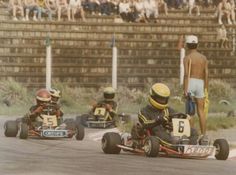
[(128, 10)]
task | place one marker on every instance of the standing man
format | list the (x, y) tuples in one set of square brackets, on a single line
[(196, 81)]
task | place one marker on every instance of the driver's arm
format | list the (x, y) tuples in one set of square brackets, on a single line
[(145, 121)]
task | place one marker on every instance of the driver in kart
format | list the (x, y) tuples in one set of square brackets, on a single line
[(156, 117), (55, 96), (43, 99), (108, 102)]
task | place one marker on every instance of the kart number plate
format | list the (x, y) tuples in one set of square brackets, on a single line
[(52, 133), (100, 111), (198, 150)]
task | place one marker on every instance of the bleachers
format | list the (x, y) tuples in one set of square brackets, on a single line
[(82, 50)]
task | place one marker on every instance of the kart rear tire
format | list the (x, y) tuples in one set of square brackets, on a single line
[(110, 140), (79, 132), (10, 128), (24, 130), (222, 149), (151, 146)]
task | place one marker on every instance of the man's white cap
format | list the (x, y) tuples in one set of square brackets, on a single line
[(191, 39)]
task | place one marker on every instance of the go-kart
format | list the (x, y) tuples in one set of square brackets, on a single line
[(153, 146), (44, 126), (100, 117)]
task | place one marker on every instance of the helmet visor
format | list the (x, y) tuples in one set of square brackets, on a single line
[(109, 96), (160, 99)]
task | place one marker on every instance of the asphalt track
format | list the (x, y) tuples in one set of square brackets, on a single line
[(71, 157)]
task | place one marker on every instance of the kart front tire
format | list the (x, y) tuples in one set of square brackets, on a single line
[(151, 146), (10, 128), (24, 130), (222, 149), (110, 140), (79, 132)]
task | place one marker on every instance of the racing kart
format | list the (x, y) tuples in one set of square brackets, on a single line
[(101, 118), (153, 146), (44, 126)]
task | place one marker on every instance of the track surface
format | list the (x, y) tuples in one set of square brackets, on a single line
[(69, 157)]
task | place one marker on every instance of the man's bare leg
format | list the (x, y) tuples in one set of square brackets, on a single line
[(200, 111)]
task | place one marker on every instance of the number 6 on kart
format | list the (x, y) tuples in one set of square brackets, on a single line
[(181, 127)]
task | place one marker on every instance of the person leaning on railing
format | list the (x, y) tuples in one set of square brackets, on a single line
[(16, 6), (43, 7)]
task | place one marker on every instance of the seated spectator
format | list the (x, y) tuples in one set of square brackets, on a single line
[(93, 6), (224, 8), (232, 14), (114, 6), (30, 6), (125, 11), (52, 5), (62, 7), (150, 7), (16, 6), (161, 4), (192, 6), (76, 7), (222, 37), (44, 7), (139, 11), (105, 7)]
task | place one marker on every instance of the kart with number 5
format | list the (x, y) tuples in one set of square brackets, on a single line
[(45, 126)]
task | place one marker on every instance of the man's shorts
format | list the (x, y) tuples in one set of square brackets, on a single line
[(196, 87)]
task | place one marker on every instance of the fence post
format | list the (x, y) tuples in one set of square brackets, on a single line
[(114, 63), (48, 63)]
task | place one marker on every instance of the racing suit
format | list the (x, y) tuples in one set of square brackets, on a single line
[(159, 124), (47, 109), (110, 105)]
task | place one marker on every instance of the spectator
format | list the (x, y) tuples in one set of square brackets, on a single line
[(93, 6), (105, 7), (17, 6), (224, 8), (125, 11), (196, 81), (192, 5), (139, 11), (222, 37), (161, 4), (44, 7), (114, 6), (232, 14), (62, 6), (52, 5), (150, 7), (31, 6), (76, 7)]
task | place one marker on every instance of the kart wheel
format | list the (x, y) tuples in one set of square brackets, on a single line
[(222, 149), (83, 119), (110, 140), (10, 128), (79, 132), (151, 146), (24, 131)]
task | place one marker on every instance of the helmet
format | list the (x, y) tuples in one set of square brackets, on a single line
[(55, 94), (43, 96), (109, 93), (159, 95), (191, 39)]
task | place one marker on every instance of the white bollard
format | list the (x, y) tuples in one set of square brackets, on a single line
[(114, 67), (48, 63), (114, 63), (182, 55)]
